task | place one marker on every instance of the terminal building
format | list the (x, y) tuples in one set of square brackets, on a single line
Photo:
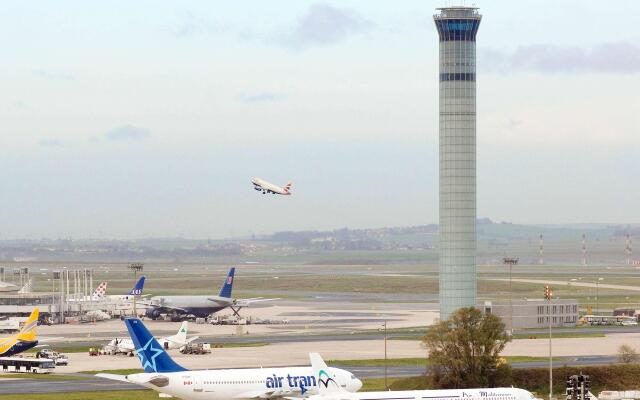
[(71, 300), (534, 313)]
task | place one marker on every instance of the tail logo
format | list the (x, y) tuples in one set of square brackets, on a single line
[(229, 280), (151, 361), (324, 379)]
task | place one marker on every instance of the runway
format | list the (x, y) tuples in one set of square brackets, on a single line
[(31, 386)]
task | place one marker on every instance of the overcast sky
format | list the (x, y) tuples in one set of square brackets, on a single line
[(148, 118)]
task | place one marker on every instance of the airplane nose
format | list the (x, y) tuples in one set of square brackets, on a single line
[(357, 384)]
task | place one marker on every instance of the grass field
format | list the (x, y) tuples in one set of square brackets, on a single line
[(109, 395), (66, 349), (114, 371), (43, 377), (241, 344), (395, 362), (562, 335)]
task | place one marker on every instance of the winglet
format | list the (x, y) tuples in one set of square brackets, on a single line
[(325, 377), (28, 331), (227, 286), (152, 356), (137, 289)]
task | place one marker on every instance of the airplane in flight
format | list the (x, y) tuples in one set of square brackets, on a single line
[(164, 375), (266, 187), (177, 341), (23, 340), (199, 306), (329, 389)]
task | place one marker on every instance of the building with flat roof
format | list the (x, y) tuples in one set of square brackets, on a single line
[(533, 313)]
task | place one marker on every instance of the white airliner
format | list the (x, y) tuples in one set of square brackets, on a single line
[(177, 341), (329, 389), (266, 187), (164, 375)]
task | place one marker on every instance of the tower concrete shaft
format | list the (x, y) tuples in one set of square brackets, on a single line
[(457, 28)]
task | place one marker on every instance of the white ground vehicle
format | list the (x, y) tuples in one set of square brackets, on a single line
[(26, 365), (58, 358)]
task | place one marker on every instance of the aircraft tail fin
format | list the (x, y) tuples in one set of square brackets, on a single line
[(225, 290), (326, 378), (287, 188), (100, 291), (28, 331), (137, 289), (181, 336), (27, 288), (152, 356)]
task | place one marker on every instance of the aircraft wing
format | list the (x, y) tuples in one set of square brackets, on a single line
[(113, 377), (189, 340), (164, 307), (248, 302)]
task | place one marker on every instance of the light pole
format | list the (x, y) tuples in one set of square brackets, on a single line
[(510, 261), (385, 355), (597, 301), (548, 295), (135, 267)]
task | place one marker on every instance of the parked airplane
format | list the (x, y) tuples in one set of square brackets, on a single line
[(199, 306), (329, 389), (266, 187), (98, 295), (164, 375), (125, 345), (27, 288), (23, 340), (136, 291)]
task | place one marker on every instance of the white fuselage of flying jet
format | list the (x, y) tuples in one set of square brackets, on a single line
[(254, 383), (267, 187)]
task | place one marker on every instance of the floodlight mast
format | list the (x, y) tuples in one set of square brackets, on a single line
[(135, 267)]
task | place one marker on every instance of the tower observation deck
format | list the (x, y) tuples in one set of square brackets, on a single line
[(457, 28)]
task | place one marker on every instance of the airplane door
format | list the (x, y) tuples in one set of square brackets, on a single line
[(197, 383)]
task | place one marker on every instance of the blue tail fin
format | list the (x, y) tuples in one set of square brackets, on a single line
[(137, 289), (151, 354), (225, 290)]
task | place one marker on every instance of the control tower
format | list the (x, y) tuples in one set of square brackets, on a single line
[(457, 27)]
